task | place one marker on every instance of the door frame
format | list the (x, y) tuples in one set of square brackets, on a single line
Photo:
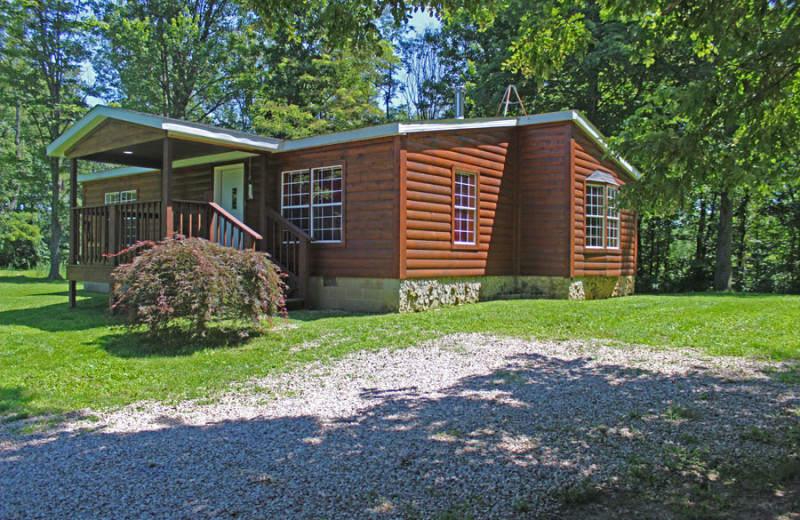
[(218, 185)]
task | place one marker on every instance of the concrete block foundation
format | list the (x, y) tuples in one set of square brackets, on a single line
[(389, 295)]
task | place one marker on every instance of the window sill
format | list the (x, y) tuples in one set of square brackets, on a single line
[(600, 250)]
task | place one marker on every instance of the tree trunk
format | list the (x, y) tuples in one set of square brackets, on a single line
[(722, 269), (741, 246), (55, 220), (700, 241)]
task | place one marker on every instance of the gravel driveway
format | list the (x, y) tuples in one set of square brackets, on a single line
[(466, 425)]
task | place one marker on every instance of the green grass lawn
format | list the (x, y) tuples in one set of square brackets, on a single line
[(54, 358)]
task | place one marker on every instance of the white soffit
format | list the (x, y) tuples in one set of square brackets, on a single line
[(133, 170)]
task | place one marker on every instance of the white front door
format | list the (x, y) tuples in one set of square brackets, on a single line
[(229, 191)]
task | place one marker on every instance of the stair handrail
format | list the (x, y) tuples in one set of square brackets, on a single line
[(235, 221)]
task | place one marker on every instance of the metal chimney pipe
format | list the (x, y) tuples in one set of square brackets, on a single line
[(461, 93)]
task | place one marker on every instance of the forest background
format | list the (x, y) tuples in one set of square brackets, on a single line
[(703, 100)]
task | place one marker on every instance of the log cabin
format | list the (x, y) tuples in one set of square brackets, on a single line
[(394, 217)]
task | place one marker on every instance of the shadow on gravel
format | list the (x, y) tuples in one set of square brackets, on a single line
[(540, 437)]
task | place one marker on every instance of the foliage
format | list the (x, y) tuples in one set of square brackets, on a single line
[(309, 87), (176, 58), (55, 358), (21, 244), (193, 280), (44, 44)]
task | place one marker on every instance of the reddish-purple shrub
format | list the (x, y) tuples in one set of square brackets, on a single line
[(191, 281)]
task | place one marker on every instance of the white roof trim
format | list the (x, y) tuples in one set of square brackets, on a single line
[(391, 129), (586, 126), (205, 133), (133, 170)]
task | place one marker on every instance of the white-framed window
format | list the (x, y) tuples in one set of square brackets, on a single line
[(127, 196), (602, 216), (117, 197), (326, 204), (465, 208), (312, 200)]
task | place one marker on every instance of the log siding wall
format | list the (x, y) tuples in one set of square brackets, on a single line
[(398, 199), (430, 162), (369, 245), (544, 200), (604, 262)]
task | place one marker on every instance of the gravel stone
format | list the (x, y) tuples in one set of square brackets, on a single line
[(466, 424)]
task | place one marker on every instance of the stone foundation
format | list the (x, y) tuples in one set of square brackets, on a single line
[(387, 295), (423, 295)]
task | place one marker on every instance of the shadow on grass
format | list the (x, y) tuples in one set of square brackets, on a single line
[(314, 315), (174, 343), (511, 443), (90, 313), (21, 279), (720, 294)]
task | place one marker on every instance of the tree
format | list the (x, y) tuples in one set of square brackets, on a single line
[(44, 46), (308, 86), (724, 123), (184, 59)]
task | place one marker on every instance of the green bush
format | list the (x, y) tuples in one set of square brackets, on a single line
[(21, 243), (193, 282)]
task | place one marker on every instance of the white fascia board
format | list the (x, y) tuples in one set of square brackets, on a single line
[(221, 136), (456, 124), (588, 127), (91, 121), (360, 134), (178, 129), (391, 129), (194, 161)]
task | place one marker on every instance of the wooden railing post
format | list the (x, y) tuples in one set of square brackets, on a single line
[(167, 225), (73, 227), (114, 233)]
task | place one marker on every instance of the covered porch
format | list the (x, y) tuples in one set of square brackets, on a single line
[(173, 177)]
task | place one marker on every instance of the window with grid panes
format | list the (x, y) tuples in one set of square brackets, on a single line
[(326, 204), (465, 204), (602, 217), (312, 200), (295, 198)]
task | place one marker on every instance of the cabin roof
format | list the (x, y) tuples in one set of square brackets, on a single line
[(201, 143)]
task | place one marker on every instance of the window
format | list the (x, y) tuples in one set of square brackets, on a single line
[(116, 197), (465, 205), (127, 196), (312, 200), (602, 216)]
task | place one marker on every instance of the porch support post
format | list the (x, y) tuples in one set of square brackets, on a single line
[(167, 228), (262, 200), (73, 227)]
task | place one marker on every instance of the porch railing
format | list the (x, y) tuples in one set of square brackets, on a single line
[(290, 248), (209, 220), (104, 230)]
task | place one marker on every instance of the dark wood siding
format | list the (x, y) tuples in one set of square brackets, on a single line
[(369, 247), (612, 262), (544, 199), (147, 185), (430, 160)]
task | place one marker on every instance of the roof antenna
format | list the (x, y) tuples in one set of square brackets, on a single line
[(507, 101)]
